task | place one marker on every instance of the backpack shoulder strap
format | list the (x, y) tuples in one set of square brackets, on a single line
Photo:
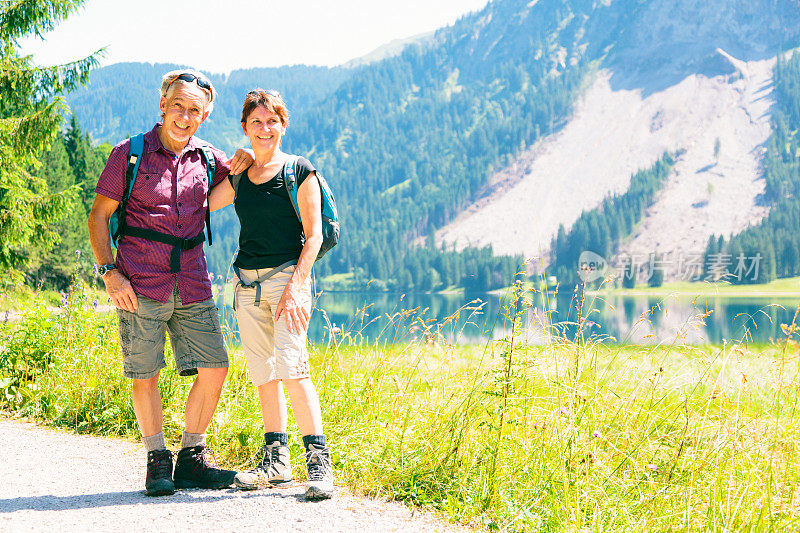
[(290, 181), (116, 223), (211, 163), (134, 159), (211, 171)]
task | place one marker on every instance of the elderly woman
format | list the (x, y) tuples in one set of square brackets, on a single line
[(272, 301)]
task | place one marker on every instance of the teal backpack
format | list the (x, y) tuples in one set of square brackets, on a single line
[(117, 226)]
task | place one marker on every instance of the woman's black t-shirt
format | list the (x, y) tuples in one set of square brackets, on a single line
[(271, 233)]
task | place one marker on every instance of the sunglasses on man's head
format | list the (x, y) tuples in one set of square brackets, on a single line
[(269, 92), (189, 78)]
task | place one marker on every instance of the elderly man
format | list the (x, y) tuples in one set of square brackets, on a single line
[(159, 280)]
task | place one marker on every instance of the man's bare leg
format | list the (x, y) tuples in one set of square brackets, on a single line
[(147, 405), (203, 398)]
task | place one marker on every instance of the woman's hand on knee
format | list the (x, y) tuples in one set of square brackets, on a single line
[(297, 316)]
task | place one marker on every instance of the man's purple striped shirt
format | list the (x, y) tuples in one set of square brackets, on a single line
[(169, 196)]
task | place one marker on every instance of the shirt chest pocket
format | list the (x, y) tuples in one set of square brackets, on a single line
[(195, 190), (151, 189)]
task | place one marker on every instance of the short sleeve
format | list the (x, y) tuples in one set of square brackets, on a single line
[(303, 169), (111, 183), (222, 169)]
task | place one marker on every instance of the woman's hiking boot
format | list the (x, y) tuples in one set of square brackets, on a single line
[(274, 469), (320, 473), (192, 470), (159, 473)]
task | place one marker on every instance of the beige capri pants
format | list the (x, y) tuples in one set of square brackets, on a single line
[(271, 351)]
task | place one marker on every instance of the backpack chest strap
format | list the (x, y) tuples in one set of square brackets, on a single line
[(178, 244)]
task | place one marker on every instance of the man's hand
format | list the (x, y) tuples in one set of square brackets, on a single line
[(119, 289), (241, 161), (296, 315)]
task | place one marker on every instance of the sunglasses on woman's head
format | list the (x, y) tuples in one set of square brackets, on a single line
[(269, 92), (189, 78)]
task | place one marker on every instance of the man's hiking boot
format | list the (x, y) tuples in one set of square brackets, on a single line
[(192, 470), (159, 473), (274, 469), (320, 473)]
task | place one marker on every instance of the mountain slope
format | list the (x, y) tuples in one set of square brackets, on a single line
[(612, 134), (707, 194)]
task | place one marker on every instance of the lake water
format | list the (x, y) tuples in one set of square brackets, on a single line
[(475, 318)]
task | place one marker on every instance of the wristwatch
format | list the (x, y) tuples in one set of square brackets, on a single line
[(102, 269)]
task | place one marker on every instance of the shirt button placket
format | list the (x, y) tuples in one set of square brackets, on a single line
[(178, 189)]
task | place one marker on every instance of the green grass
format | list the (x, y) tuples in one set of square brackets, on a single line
[(557, 437), (779, 288)]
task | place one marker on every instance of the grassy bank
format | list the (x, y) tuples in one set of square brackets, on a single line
[(558, 437), (779, 288)]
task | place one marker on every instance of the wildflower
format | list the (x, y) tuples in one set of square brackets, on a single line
[(564, 411), (597, 434), (95, 303), (77, 254), (652, 467), (109, 299), (64, 299), (94, 270), (336, 329)]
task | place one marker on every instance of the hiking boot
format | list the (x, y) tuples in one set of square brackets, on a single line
[(159, 473), (192, 470), (320, 473), (274, 469)]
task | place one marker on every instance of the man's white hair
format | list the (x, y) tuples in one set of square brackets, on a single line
[(168, 78)]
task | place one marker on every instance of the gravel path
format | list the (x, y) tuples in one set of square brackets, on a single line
[(54, 480)]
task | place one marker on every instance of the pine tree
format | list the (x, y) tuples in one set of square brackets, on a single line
[(711, 249), (31, 110), (766, 271), (629, 275), (656, 278)]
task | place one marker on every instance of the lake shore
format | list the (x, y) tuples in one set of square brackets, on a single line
[(781, 288)]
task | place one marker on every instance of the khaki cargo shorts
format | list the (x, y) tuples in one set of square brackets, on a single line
[(194, 333), (271, 351)]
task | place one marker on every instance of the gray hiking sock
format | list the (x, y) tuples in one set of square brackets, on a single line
[(154, 442), (193, 439)]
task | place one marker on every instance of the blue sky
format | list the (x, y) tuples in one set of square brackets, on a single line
[(223, 35)]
